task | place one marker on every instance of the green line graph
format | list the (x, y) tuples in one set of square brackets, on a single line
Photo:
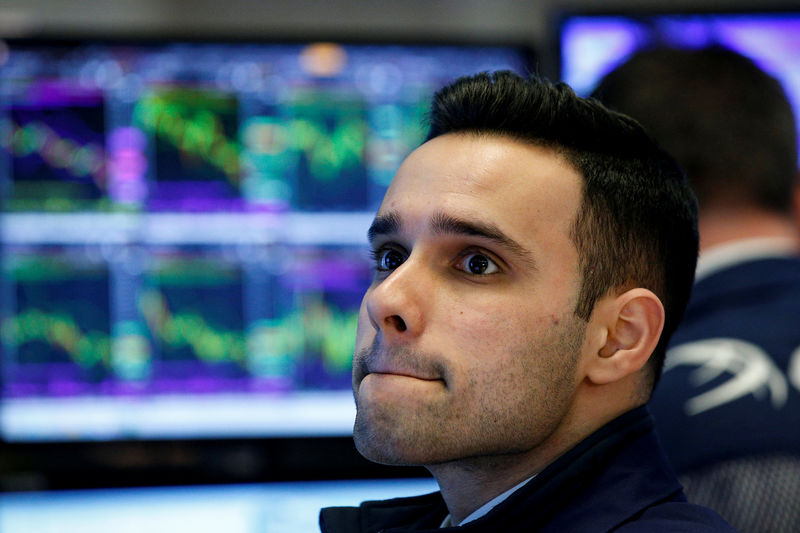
[(190, 329), (329, 153), (328, 149), (189, 120), (58, 151), (59, 331), (331, 333)]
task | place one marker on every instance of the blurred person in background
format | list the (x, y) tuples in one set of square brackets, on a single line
[(727, 407)]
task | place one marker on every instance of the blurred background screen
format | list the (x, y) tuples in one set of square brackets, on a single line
[(184, 227), (592, 44), (290, 507)]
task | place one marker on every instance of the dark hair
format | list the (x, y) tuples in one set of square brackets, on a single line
[(727, 122), (637, 225)]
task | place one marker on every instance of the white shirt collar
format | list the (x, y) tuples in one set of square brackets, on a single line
[(729, 254), (486, 507)]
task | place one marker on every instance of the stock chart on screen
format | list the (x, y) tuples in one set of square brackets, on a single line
[(183, 228)]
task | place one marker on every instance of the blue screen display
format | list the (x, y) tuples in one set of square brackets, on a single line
[(290, 507), (184, 226)]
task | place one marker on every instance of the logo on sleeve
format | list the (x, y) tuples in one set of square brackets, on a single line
[(752, 372)]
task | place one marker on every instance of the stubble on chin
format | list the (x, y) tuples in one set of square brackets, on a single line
[(371, 439), (476, 418), (395, 432), (381, 435)]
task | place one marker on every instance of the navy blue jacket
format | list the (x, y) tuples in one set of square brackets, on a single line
[(617, 479), (731, 387)]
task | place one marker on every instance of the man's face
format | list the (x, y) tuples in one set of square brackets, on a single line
[(467, 345)]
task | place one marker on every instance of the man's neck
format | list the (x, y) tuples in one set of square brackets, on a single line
[(467, 484), (723, 226)]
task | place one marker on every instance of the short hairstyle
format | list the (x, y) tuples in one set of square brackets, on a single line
[(637, 223), (727, 122)]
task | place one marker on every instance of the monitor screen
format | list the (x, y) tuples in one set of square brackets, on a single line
[(291, 507), (591, 45), (183, 228)]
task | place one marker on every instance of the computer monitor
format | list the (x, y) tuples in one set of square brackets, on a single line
[(183, 228), (291, 507)]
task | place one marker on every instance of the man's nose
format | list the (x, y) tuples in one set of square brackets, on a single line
[(395, 306)]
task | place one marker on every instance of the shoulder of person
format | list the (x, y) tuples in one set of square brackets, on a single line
[(677, 517)]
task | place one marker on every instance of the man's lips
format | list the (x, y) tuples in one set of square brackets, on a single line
[(403, 374), (381, 370), (400, 362)]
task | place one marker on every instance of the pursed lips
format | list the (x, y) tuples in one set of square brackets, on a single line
[(404, 374), (402, 363), (368, 368)]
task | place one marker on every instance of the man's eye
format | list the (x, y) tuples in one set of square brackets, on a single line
[(388, 259), (478, 264)]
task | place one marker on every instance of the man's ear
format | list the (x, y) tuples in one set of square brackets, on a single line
[(632, 323)]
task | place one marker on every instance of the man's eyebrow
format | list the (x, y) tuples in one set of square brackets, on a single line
[(385, 224), (442, 223)]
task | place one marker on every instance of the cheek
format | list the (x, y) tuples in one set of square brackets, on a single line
[(497, 327), (482, 332), (505, 349)]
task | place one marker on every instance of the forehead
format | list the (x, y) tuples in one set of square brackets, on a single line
[(526, 190)]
